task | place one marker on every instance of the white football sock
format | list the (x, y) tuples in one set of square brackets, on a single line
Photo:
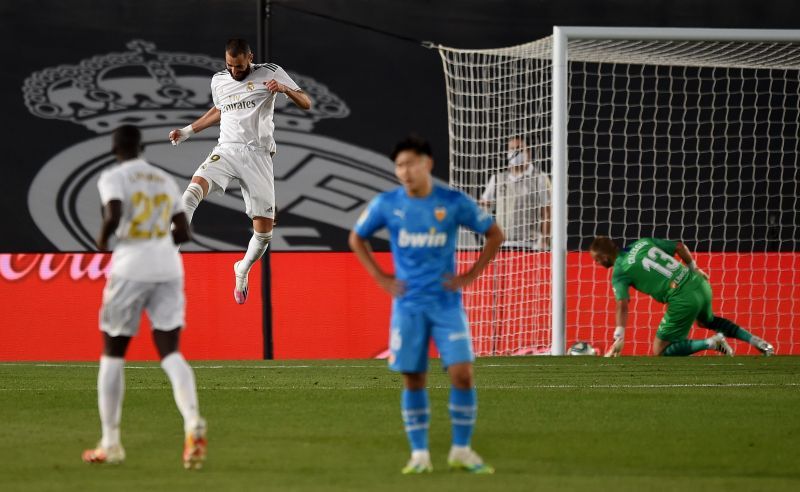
[(255, 250), (110, 390), (191, 199), (421, 454), (183, 387)]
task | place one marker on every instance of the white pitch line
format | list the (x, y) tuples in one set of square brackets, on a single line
[(646, 386), (495, 387), (346, 366), (127, 366)]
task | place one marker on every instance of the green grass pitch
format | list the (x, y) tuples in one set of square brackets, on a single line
[(580, 423)]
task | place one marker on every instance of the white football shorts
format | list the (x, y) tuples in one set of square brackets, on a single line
[(251, 166), (124, 300)]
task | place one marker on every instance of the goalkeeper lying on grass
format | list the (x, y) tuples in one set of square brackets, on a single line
[(649, 266)]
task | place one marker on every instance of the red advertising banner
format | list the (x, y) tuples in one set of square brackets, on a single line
[(325, 306), (51, 304)]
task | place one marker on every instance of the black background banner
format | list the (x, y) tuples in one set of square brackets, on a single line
[(379, 88)]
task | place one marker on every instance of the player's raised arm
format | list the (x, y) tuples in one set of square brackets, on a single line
[(297, 96), (686, 256), (211, 118)]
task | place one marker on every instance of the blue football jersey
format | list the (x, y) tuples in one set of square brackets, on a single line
[(423, 234)]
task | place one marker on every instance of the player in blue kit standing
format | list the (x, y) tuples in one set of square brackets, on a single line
[(423, 219)]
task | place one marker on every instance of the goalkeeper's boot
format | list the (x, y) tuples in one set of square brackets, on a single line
[(194, 447), (240, 291), (763, 346), (719, 344), (464, 458), (420, 462), (112, 455)]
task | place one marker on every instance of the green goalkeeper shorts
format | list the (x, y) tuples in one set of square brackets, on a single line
[(691, 302)]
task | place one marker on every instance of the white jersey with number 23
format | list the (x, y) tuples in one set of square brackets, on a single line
[(150, 198)]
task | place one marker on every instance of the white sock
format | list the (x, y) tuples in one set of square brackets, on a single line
[(183, 387), (255, 250), (110, 390), (421, 454), (191, 199)]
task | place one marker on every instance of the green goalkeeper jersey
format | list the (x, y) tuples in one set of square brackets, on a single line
[(648, 266)]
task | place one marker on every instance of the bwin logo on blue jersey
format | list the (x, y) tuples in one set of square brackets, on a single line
[(430, 239)]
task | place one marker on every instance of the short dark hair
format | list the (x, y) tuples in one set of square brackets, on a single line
[(237, 46), (604, 244), (127, 141), (414, 143)]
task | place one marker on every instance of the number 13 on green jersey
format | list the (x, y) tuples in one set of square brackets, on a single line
[(648, 266)]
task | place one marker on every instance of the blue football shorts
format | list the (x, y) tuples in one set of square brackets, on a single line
[(412, 328)]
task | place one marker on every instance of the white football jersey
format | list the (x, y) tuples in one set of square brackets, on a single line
[(150, 198), (247, 106)]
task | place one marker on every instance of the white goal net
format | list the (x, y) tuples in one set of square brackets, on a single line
[(690, 140)]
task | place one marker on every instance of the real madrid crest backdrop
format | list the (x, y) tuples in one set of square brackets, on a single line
[(91, 67), (75, 70)]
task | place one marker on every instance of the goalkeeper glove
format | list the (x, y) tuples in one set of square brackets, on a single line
[(619, 341)]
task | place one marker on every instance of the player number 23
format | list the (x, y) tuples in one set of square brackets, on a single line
[(152, 216), (669, 266)]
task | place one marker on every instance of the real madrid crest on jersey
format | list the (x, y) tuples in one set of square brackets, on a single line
[(440, 213), (250, 85)]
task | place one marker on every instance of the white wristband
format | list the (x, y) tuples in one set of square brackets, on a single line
[(183, 134), (619, 332), (692, 265)]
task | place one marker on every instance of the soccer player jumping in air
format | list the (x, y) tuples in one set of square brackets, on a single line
[(423, 219), (244, 103), (649, 266)]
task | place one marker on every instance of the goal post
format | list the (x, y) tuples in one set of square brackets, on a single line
[(684, 134)]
